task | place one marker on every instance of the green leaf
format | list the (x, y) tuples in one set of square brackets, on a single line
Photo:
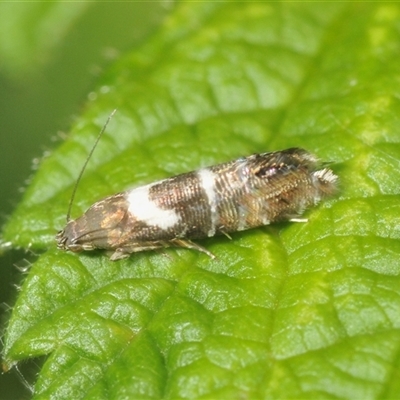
[(25, 43), (289, 311)]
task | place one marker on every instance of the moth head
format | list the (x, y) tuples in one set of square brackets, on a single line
[(68, 239)]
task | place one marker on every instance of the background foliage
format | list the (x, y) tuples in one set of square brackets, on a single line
[(288, 311)]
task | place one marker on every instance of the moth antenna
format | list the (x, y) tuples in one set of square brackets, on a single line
[(86, 163)]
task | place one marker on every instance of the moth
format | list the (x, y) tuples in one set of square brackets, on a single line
[(245, 193)]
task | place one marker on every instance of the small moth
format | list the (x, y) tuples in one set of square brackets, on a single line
[(245, 193)]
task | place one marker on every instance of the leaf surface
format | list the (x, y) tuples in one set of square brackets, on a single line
[(288, 311)]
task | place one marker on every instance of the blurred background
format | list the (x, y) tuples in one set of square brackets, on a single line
[(51, 55)]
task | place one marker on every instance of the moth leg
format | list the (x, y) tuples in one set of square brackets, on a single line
[(124, 251), (187, 244), (119, 254), (227, 235), (298, 219)]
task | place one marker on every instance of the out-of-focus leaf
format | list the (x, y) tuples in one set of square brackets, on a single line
[(23, 41)]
